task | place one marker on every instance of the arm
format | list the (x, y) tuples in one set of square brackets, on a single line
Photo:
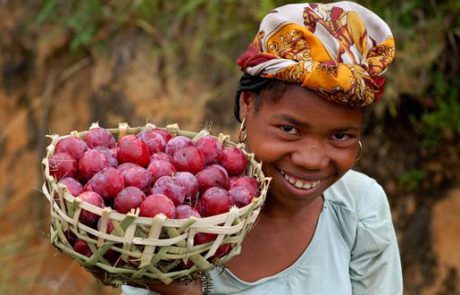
[(375, 266), (192, 288)]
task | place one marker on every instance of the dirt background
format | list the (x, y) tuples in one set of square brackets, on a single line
[(47, 88)]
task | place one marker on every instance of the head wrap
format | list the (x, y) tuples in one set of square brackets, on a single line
[(340, 50)]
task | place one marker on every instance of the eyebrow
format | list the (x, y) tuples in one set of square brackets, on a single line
[(290, 120), (296, 122)]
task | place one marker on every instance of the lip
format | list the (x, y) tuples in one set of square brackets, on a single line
[(309, 185)]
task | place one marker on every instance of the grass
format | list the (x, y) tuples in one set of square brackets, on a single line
[(21, 258), (33, 266)]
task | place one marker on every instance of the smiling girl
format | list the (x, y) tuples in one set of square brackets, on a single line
[(324, 229)]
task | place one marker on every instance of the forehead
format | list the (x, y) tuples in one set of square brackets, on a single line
[(307, 107)]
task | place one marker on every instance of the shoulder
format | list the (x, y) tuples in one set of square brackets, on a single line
[(354, 191), (357, 201)]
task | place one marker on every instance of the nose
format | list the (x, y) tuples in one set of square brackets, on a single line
[(311, 155)]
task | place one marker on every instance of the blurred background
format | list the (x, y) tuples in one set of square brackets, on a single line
[(65, 64)]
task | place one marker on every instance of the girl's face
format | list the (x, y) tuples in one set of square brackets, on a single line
[(304, 142)]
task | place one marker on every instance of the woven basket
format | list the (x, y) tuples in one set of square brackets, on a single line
[(156, 245)]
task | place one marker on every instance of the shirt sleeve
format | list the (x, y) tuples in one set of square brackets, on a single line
[(375, 266)]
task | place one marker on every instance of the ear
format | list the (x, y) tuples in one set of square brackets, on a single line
[(246, 103)]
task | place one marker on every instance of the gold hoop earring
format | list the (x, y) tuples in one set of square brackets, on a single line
[(360, 152), (242, 135)]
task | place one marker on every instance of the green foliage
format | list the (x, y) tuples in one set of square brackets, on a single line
[(411, 179), (445, 118), (83, 19), (199, 38), (427, 64), (189, 30)]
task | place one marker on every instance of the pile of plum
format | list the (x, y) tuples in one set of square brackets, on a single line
[(152, 172)]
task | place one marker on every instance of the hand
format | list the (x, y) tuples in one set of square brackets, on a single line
[(185, 288), (191, 287)]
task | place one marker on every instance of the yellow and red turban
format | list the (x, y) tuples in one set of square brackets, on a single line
[(340, 50)]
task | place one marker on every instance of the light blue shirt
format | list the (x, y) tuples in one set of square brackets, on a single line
[(353, 251)]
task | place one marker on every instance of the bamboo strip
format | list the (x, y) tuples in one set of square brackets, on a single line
[(147, 248)]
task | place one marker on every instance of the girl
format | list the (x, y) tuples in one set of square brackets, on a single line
[(325, 229)]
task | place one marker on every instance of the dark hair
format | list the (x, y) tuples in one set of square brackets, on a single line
[(257, 85)]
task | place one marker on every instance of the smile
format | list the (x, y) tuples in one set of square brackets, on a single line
[(299, 183)]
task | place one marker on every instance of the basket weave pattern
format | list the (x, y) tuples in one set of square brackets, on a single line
[(147, 249)]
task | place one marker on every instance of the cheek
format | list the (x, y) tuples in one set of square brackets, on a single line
[(344, 160), (260, 148), (265, 148), (253, 140)]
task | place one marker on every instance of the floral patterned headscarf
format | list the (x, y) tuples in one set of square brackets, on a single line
[(340, 50)]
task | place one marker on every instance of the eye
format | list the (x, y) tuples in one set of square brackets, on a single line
[(343, 139), (289, 129), (340, 136)]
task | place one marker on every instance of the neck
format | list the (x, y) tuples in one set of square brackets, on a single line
[(275, 209)]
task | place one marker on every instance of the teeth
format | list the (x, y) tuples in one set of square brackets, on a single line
[(299, 183)]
